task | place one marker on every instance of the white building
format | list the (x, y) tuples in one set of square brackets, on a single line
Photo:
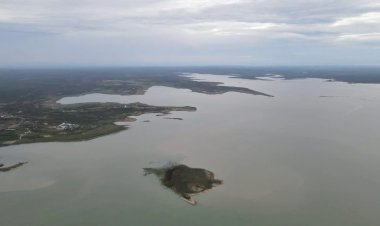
[(67, 126)]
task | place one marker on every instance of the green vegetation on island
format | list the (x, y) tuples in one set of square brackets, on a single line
[(185, 181)]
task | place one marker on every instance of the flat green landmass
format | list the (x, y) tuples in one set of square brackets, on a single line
[(29, 112), (87, 121)]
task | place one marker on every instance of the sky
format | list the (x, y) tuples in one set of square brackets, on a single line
[(189, 32)]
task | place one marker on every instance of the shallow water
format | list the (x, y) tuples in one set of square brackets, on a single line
[(308, 156)]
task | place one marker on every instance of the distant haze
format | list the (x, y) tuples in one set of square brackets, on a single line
[(189, 32)]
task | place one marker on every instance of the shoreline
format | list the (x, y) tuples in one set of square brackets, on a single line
[(11, 167), (101, 128)]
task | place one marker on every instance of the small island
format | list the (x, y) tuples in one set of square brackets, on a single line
[(185, 181), (173, 118)]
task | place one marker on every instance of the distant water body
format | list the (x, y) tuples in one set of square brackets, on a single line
[(308, 156)]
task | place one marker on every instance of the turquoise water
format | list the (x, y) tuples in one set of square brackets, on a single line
[(295, 159)]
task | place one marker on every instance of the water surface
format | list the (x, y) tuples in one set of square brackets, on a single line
[(308, 156)]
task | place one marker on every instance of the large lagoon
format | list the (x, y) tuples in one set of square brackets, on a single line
[(307, 156)]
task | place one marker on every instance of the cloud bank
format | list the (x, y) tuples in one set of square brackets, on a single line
[(189, 32)]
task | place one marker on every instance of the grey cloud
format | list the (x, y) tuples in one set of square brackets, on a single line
[(187, 29)]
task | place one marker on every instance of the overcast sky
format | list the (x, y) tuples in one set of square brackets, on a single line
[(189, 32)]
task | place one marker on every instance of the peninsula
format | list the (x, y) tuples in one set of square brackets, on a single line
[(29, 111)]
